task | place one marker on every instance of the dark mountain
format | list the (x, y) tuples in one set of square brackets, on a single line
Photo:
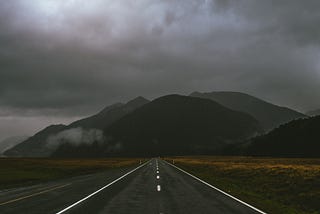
[(270, 116), (36, 146), (299, 138), (171, 125), (10, 142), (109, 115), (313, 113), (98, 121)]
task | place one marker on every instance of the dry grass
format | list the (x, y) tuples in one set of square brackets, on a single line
[(26, 171), (275, 185)]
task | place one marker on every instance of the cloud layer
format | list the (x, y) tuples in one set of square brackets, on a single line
[(71, 57)]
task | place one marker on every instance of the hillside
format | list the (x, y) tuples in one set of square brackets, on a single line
[(109, 114), (9, 142), (269, 115), (313, 112), (171, 125), (299, 138), (37, 145)]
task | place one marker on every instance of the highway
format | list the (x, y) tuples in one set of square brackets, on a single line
[(153, 187)]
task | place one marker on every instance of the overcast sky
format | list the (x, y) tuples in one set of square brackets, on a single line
[(63, 59)]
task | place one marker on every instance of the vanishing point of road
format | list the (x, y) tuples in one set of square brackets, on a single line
[(153, 187)]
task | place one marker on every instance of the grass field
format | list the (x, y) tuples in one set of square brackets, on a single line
[(25, 171), (272, 184)]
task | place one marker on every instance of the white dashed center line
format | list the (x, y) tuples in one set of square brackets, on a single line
[(158, 188), (158, 176), (157, 172)]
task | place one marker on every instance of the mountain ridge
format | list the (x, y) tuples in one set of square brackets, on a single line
[(9, 142), (171, 124), (268, 114), (298, 138), (36, 146), (314, 112), (105, 121)]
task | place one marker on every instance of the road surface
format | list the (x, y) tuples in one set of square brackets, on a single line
[(153, 187)]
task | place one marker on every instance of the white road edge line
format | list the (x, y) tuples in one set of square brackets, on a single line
[(99, 190), (219, 190)]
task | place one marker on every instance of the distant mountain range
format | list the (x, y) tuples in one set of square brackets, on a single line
[(109, 114), (202, 123), (172, 125), (269, 115), (36, 146), (313, 113), (9, 142), (299, 138)]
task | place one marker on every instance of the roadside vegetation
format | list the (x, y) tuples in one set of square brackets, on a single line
[(26, 171), (274, 185)]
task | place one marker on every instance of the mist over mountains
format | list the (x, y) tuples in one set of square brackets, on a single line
[(43, 143), (173, 124), (202, 123)]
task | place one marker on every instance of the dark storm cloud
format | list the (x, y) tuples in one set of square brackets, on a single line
[(73, 57)]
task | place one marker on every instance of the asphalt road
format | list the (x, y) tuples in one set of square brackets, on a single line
[(154, 187)]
